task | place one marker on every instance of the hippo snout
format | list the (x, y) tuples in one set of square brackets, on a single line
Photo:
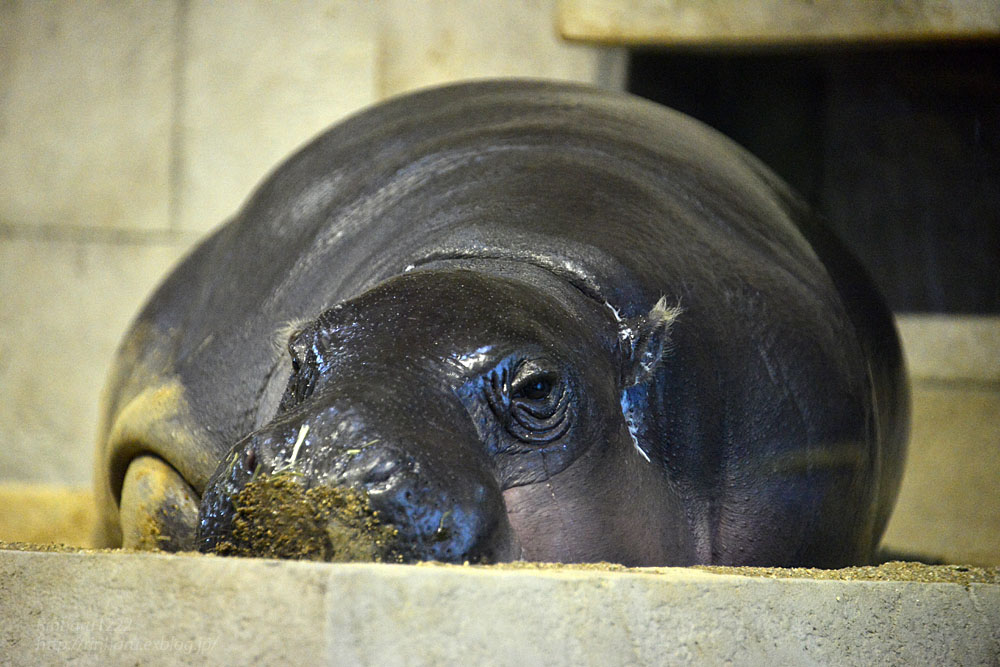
[(332, 491)]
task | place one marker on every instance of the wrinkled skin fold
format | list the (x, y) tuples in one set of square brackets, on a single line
[(521, 320)]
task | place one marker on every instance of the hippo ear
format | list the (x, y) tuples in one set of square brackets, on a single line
[(645, 341)]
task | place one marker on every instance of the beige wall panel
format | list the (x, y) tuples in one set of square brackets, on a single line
[(64, 308), (85, 113), (260, 79), (754, 22), (433, 41), (949, 504), (951, 347)]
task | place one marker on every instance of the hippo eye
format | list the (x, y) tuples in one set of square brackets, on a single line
[(532, 402), (534, 388)]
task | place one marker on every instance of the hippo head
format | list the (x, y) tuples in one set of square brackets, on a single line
[(488, 413)]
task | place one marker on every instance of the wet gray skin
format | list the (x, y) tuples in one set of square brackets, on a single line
[(524, 319)]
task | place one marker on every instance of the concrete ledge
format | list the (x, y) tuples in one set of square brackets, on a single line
[(952, 348), (773, 22), (121, 608)]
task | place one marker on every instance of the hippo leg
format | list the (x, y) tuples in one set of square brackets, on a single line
[(156, 459), (159, 510)]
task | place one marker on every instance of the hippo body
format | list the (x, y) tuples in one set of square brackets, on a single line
[(527, 320)]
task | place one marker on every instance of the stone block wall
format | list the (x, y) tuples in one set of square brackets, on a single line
[(128, 130)]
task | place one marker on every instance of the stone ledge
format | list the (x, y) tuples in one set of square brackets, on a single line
[(121, 608), (952, 348), (728, 23)]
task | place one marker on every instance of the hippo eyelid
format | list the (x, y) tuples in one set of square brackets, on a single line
[(536, 388), (542, 408), (541, 423), (533, 371), (555, 431), (495, 392)]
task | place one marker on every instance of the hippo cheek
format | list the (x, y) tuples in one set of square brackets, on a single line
[(610, 505)]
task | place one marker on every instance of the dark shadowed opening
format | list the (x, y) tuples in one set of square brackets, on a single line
[(898, 147)]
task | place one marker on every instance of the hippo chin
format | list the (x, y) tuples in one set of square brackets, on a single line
[(517, 320)]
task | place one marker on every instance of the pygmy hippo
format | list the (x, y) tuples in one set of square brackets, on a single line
[(520, 320)]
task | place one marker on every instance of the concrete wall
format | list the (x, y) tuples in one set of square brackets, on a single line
[(127, 130), (948, 505)]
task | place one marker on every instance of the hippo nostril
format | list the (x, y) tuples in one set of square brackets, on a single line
[(381, 471), (250, 460)]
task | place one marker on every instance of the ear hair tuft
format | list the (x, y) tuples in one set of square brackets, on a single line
[(283, 334), (662, 315), (646, 340)]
